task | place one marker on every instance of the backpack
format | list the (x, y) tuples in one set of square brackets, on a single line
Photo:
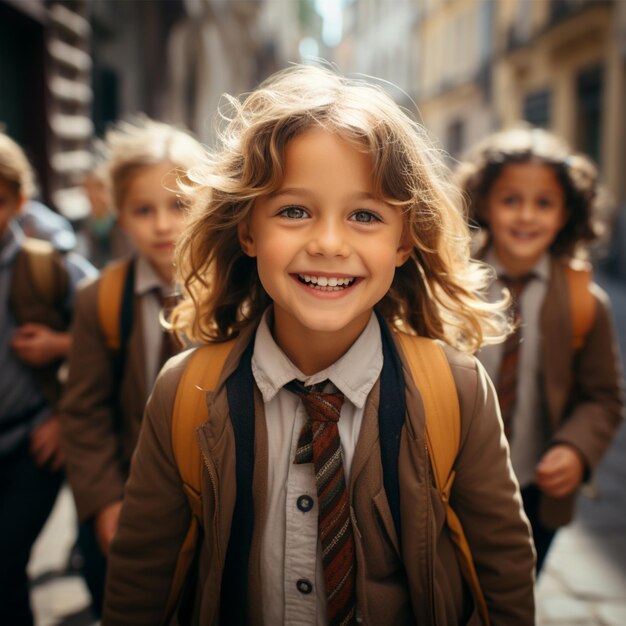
[(582, 307), (115, 302), (38, 293), (432, 376), (38, 281)]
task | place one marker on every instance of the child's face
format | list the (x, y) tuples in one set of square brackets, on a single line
[(10, 204), (153, 216), (525, 211), (326, 248)]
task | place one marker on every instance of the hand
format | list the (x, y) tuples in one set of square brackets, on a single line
[(45, 444), (560, 471), (37, 345), (106, 524)]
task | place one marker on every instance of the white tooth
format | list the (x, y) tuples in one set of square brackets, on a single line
[(322, 281), (307, 279), (340, 282), (313, 279), (332, 282)]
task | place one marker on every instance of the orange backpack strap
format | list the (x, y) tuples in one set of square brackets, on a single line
[(110, 292), (433, 378), (200, 375), (581, 300)]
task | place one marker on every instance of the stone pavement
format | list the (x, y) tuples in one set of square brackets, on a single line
[(59, 595), (583, 582)]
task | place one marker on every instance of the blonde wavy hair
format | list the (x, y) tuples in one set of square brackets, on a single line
[(436, 293), (131, 145), (15, 168)]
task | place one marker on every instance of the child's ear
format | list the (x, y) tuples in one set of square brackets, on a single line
[(404, 248), (246, 240)]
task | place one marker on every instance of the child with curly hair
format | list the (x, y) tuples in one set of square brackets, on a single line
[(558, 375), (322, 232)]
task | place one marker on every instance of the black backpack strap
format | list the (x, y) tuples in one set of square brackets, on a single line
[(391, 416), (126, 319), (234, 594)]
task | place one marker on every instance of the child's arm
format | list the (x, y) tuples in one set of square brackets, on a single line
[(88, 413), (45, 443), (154, 520), (486, 498), (597, 410), (560, 471), (38, 345)]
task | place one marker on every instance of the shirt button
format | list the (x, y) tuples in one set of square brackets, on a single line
[(304, 586), (305, 503)]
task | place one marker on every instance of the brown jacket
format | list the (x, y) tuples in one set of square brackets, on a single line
[(582, 391), (155, 516), (99, 429)]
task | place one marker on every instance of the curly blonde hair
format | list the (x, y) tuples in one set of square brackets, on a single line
[(15, 168), (585, 201), (436, 293), (131, 145)]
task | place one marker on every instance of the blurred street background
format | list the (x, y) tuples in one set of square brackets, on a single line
[(464, 68)]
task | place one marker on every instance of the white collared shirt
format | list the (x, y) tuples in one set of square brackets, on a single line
[(290, 558), (528, 429)]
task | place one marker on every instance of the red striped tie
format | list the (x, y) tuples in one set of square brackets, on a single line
[(507, 377), (319, 443)]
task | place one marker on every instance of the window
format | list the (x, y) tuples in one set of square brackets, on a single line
[(589, 114), (537, 108)]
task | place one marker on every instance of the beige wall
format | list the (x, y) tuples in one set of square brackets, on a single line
[(553, 59)]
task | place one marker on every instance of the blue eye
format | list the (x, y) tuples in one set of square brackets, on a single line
[(365, 217), (142, 210), (293, 213)]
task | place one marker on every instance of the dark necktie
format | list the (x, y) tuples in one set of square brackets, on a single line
[(319, 444), (170, 346), (507, 377)]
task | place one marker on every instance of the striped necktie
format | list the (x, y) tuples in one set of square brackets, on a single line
[(319, 444), (507, 376)]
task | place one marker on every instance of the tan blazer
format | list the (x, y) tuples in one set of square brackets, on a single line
[(583, 392), (100, 428), (417, 584)]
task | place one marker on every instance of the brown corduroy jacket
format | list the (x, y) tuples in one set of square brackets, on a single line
[(582, 391), (100, 423), (419, 583)]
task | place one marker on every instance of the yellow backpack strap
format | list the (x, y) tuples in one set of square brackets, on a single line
[(110, 291), (582, 304), (433, 378), (200, 375)]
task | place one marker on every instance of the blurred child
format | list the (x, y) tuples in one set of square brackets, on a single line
[(101, 235), (36, 295), (109, 382), (320, 226), (560, 393)]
